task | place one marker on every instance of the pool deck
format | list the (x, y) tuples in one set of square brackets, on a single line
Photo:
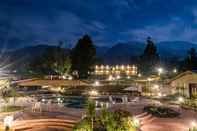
[(61, 118)]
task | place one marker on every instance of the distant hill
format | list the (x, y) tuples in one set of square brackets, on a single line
[(21, 57), (122, 52), (125, 52), (101, 50)]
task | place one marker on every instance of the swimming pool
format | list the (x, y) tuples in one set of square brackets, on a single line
[(76, 101)]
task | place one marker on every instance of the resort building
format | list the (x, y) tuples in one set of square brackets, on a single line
[(185, 84), (122, 70), (52, 85)]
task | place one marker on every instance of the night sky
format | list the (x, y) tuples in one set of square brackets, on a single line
[(31, 22)]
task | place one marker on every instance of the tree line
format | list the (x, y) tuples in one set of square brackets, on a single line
[(80, 60)]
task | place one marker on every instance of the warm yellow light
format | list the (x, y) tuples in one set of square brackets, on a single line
[(96, 83), (149, 79), (8, 120), (136, 122), (180, 99), (156, 87), (111, 78), (139, 75), (102, 67), (93, 93), (107, 67), (159, 94), (122, 67), (70, 78), (193, 124), (118, 77)]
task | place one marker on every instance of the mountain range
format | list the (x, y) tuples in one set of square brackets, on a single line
[(121, 53), (125, 52)]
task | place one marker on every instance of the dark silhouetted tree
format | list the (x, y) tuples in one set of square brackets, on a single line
[(83, 56), (54, 61), (190, 61), (150, 58)]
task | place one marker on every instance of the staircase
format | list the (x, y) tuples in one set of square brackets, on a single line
[(28, 125), (145, 118)]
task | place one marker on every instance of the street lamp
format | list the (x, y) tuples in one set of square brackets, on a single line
[(175, 70), (160, 70)]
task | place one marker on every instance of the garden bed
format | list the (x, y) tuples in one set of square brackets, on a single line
[(162, 112)]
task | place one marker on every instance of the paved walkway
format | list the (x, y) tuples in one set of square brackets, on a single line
[(150, 123)]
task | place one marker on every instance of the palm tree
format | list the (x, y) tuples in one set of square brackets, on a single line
[(13, 94), (91, 112)]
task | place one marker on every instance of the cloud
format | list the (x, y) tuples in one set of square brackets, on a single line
[(25, 22), (172, 31)]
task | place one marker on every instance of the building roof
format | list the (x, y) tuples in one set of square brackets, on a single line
[(53, 83), (182, 74)]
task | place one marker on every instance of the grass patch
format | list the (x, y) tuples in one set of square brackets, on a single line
[(11, 108)]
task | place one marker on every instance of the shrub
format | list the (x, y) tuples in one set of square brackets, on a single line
[(159, 111), (83, 125)]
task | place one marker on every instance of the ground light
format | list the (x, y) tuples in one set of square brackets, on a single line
[(118, 77), (159, 94), (111, 78), (96, 83), (181, 99), (70, 78), (43, 100), (8, 120), (93, 93), (139, 75), (58, 100), (136, 122), (156, 87), (193, 126)]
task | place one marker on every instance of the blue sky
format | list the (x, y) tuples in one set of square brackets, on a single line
[(31, 22)]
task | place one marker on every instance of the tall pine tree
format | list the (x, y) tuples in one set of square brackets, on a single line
[(190, 62), (150, 58), (83, 56)]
